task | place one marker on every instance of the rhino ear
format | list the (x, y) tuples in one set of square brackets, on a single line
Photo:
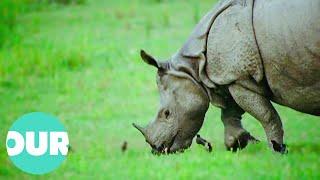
[(149, 59)]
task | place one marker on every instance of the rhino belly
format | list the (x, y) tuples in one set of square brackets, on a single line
[(288, 36)]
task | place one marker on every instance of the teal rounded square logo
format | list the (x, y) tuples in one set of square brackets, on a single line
[(37, 143)]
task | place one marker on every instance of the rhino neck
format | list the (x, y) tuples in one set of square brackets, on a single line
[(195, 68)]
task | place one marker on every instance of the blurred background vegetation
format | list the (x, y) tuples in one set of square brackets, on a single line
[(10, 35), (11, 9), (79, 60)]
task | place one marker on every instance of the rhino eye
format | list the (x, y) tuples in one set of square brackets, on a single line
[(166, 113)]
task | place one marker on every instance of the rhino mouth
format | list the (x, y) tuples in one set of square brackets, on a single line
[(165, 147)]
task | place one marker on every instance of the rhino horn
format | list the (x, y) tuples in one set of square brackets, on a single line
[(140, 128)]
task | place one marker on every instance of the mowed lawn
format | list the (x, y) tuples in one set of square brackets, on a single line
[(81, 63)]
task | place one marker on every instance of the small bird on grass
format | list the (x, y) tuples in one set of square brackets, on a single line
[(124, 146), (203, 142)]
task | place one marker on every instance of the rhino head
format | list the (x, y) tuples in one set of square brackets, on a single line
[(183, 104)]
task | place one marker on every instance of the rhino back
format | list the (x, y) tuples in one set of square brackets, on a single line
[(288, 36)]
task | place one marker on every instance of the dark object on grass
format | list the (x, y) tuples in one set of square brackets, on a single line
[(124, 146), (203, 142), (70, 148), (200, 140)]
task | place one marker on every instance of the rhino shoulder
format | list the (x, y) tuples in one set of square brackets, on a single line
[(196, 43), (232, 50), (224, 39)]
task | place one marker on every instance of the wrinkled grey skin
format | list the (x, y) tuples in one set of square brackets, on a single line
[(241, 56)]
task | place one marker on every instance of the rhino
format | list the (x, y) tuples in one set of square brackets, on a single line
[(242, 56)]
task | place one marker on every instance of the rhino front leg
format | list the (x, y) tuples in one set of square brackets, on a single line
[(261, 108), (235, 136)]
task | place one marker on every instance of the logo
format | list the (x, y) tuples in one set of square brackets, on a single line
[(37, 143)]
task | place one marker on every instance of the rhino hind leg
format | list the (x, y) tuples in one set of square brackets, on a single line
[(236, 137), (261, 108)]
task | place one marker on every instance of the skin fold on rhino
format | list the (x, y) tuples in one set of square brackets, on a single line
[(241, 56)]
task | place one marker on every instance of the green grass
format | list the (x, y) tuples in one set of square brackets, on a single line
[(81, 63)]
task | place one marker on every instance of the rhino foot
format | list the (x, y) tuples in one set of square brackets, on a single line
[(281, 148), (239, 140)]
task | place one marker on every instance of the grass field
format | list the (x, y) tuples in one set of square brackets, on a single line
[(81, 63)]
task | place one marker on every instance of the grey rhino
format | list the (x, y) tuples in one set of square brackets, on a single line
[(241, 56)]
